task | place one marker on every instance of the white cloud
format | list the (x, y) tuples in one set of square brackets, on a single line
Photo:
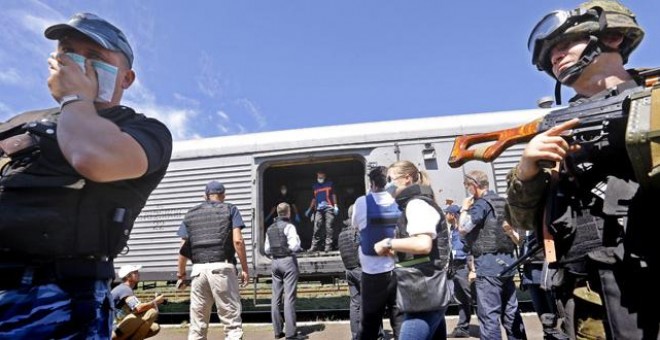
[(178, 120), (223, 128), (254, 111), (241, 128), (186, 100), (11, 77), (223, 115), (24, 48), (209, 81)]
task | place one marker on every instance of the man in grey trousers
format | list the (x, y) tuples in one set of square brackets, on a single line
[(282, 242)]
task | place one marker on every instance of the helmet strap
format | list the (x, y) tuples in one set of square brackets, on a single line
[(571, 74), (558, 92)]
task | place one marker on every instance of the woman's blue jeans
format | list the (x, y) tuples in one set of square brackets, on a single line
[(424, 325)]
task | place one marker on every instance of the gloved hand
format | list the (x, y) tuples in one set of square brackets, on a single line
[(308, 212), (335, 210), (297, 218)]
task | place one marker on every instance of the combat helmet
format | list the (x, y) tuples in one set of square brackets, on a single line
[(591, 19)]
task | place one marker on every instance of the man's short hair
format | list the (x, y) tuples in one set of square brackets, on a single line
[(283, 209), (478, 177), (378, 175)]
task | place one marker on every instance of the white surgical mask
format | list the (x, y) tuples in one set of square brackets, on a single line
[(320, 180), (283, 191), (390, 188), (106, 75)]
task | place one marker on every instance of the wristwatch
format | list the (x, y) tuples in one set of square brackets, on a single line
[(69, 99), (388, 243)]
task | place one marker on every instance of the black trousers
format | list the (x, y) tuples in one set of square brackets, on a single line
[(353, 278), (379, 296)]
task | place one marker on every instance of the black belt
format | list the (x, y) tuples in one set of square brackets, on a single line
[(218, 261), (458, 261), (281, 257)]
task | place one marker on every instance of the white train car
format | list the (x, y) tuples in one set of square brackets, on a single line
[(253, 166)]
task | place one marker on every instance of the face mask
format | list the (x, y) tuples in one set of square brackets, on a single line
[(390, 188), (283, 191), (106, 74), (320, 180)]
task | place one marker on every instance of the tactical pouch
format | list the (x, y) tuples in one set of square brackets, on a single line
[(643, 136), (47, 210), (19, 144), (589, 314)]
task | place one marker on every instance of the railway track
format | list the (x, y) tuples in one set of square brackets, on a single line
[(316, 301)]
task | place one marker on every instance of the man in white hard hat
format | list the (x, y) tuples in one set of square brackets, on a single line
[(134, 319)]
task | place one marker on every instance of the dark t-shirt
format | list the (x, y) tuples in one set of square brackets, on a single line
[(119, 200), (156, 141)]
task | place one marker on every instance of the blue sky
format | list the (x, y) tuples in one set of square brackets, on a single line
[(213, 68)]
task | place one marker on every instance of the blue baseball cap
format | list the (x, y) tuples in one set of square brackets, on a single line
[(453, 209), (215, 187), (96, 28)]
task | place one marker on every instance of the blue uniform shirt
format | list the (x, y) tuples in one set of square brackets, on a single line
[(457, 245), (487, 264), (323, 194)]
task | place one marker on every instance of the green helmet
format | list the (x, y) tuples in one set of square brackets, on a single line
[(592, 18)]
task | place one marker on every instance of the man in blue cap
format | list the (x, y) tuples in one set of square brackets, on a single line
[(74, 179), (211, 238)]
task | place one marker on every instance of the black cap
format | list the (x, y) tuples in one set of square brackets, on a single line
[(99, 30)]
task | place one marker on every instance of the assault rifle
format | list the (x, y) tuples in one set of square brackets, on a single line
[(595, 117), (633, 115), (522, 259)]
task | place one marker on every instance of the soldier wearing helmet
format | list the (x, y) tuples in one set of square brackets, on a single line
[(592, 202)]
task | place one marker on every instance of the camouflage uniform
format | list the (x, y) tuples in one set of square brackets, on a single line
[(47, 311), (595, 210)]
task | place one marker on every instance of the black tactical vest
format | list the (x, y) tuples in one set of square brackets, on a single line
[(47, 210), (491, 238), (209, 228), (349, 241), (279, 245), (440, 250)]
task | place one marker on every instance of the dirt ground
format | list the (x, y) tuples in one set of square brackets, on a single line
[(331, 330)]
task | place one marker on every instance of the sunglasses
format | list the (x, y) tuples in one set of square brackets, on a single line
[(390, 179), (470, 180)]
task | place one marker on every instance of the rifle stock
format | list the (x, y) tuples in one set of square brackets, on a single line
[(461, 152)]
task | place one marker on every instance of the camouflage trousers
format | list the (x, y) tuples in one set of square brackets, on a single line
[(72, 310)]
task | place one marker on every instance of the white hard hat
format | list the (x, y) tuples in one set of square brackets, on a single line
[(127, 269)]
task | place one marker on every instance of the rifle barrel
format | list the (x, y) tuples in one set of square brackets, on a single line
[(521, 260)]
